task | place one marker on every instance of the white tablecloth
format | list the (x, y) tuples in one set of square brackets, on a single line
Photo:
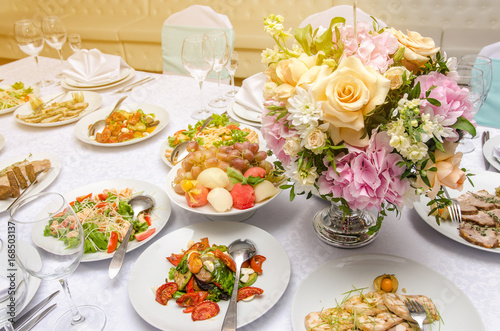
[(475, 272)]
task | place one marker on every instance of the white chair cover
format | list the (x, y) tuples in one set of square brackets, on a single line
[(193, 20), (492, 51), (323, 18)]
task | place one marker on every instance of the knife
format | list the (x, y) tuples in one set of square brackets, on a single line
[(484, 139), (31, 324), (20, 321)]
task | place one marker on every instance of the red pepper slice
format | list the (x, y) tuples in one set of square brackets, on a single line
[(83, 197), (147, 218), (228, 261), (175, 259), (113, 242), (165, 292), (256, 263), (190, 285), (205, 310), (246, 292)]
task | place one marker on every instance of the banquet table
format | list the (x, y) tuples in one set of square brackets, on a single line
[(475, 272)]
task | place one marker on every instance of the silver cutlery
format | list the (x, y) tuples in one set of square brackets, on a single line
[(31, 324), (130, 87), (40, 106), (29, 186), (21, 321), (485, 137), (417, 312), (99, 125), (454, 208)]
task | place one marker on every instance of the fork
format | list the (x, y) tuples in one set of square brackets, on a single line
[(40, 106), (455, 211), (130, 87), (417, 312)]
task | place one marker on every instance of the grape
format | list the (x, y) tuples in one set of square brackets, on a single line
[(247, 155), (224, 149), (212, 148), (266, 165), (238, 164), (211, 162), (188, 176), (254, 147), (181, 172), (239, 146), (195, 171), (223, 156), (260, 156), (197, 157), (177, 179), (187, 164), (192, 146), (223, 165), (234, 154), (178, 189), (246, 144)]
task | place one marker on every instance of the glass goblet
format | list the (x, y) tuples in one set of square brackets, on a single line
[(484, 64), (30, 40), (197, 58), (75, 42), (55, 35), (231, 67), (221, 53), (47, 223)]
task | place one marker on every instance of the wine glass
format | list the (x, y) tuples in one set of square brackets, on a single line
[(30, 40), (484, 64), (231, 67), (55, 35), (13, 285), (471, 78), (220, 45), (47, 223), (197, 58), (75, 42)]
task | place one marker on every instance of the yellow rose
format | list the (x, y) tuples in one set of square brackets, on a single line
[(417, 48), (395, 75), (448, 172), (346, 96), (289, 73)]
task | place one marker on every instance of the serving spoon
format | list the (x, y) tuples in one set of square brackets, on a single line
[(100, 124), (180, 151), (240, 250), (139, 203)]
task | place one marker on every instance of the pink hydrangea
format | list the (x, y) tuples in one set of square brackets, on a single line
[(454, 99), (365, 179), (276, 132)]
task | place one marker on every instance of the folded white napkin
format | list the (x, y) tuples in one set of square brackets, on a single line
[(250, 94), (92, 66)]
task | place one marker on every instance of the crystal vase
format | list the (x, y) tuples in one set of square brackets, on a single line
[(340, 229)]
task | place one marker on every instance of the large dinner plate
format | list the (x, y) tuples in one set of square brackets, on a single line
[(2, 141), (482, 180), (246, 113), (165, 146), (488, 149), (44, 179), (233, 115), (94, 100), (82, 127), (151, 269), (159, 215), (36, 91), (100, 87), (326, 285), (124, 72)]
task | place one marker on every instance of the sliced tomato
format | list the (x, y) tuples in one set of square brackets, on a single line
[(175, 259), (165, 292), (194, 262), (192, 298), (147, 217), (246, 292), (62, 213), (256, 263), (101, 204), (200, 245), (190, 285), (113, 242), (83, 197), (102, 196), (245, 264), (228, 261), (232, 127), (146, 234), (205, 310), (188, 310)]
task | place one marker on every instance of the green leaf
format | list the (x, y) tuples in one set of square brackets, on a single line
[(303, 37), (434, 102), (464, 125)]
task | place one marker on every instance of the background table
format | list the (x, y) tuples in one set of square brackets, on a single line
[(475, 272)]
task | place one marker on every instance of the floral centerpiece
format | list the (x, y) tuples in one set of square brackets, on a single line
[(369, 120)]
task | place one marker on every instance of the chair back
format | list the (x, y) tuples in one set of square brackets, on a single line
[(489, 114), (193, 20), (323, 18)]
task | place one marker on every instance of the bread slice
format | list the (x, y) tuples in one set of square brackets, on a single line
[(20, 177), (5, 192), (30, 172), (13, 184)]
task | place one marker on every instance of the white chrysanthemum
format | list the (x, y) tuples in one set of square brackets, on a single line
[(303, 179), (304, 110), (432, 127)]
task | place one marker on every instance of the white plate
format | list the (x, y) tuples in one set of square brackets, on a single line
[(151, 269), (159, 215), (124, 72), (2, 141), (82, 127), (44, 178), (331, 280), (237, 118), (233, 214), (36, 91), (94, 100), (488, 149), (482, 180), (165, 146), (247, 114), (101, 87)]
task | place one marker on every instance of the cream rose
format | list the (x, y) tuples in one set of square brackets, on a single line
[(290, 71), (346, 96), (292, 146), (417, 48), (448, 172), (395, 75), (315, 139)]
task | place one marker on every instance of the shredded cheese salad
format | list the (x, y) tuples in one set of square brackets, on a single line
[(14, 96), (105, 218)]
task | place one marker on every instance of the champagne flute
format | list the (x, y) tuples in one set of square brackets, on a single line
[(75, 42), (231, 67), (221, 52), (47, 223), (197, 58), (484, 64), (471, 78), (30, 40), (55, 35)]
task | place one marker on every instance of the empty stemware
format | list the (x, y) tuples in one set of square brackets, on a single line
[(30, 40), (231, 67), (47, 223), (197, 58), (484, 64), (75, 42), (221, 53), (55, 35)]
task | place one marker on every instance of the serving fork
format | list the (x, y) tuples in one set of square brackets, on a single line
[(417, 312), (454, 208), (130, 87)]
